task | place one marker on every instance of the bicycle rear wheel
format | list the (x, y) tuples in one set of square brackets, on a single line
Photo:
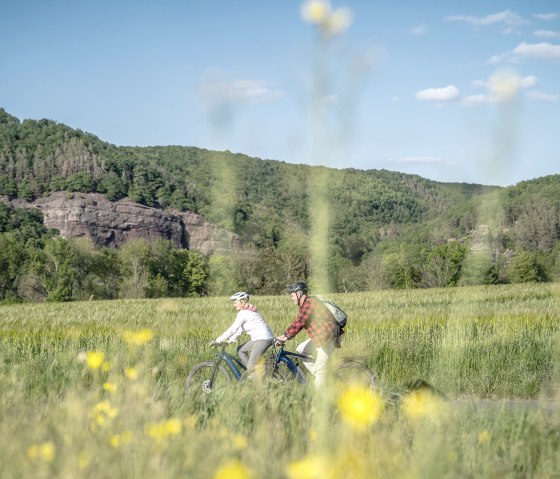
[(353, 373), (202, 379)]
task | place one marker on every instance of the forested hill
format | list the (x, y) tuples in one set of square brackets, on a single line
[(375, 213), (39, 157)]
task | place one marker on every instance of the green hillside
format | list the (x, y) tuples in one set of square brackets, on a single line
[(396, 224)]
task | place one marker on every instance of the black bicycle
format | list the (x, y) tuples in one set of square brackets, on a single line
[(348, 371)]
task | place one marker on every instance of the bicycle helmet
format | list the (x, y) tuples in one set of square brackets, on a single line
[(298, 286), (241, 295)]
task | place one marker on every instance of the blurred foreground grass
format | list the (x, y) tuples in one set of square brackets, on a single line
[(96, 390)]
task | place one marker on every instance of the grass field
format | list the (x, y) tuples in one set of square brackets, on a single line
[(96, 390)]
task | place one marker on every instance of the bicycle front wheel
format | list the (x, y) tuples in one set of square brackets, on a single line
[(351, 373), (205, 378)]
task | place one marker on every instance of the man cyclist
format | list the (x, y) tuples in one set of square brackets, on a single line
[(316, 319), (248, 320)]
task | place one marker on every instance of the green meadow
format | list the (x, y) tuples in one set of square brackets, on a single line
[(96, 390)]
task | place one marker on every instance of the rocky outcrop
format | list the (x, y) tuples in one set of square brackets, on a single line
[(109, 223)]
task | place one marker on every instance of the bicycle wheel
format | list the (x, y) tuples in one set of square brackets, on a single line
[(199, 381), (353, 373), (281, 370)]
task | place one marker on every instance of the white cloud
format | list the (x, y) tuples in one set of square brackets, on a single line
[(448, 93), (424, 160), (502, 86), (537, 50), (546, 34), (542, 50), (506, 17), (546, 16), (540, 96), (241, 90)]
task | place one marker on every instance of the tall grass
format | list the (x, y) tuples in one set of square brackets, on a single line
[(493, 353)]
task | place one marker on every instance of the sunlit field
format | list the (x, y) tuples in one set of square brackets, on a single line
[(96, 389)]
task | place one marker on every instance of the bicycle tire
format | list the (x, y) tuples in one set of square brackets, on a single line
[(349, 373), (198, 379)]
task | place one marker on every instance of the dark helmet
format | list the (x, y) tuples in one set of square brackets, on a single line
[(298, 286)]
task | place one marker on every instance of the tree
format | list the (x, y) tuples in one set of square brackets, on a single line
[(443, 265), (57, 269), (12, 261), (527, 267)]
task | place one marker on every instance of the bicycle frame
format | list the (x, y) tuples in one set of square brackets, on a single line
[(236, 367), (283, 356)]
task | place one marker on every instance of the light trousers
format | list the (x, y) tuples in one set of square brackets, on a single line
[(251, 351), (318, 367)]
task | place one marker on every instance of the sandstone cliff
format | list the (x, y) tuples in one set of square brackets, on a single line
[(110, 223)]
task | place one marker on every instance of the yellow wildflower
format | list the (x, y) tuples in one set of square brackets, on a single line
[(232, 470), (360, 407), (118, 440), (421, 404), (163, 429), (138, 338), (315, 11), (483, 437), (102, 412), (309, 467), (106, 366), (239, 441), (45, 451), (94, 359), (131, 373), (110, 387)]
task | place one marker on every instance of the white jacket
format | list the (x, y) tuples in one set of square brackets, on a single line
[(250, 321)]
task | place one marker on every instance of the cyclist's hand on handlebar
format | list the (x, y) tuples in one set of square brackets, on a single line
[(280, 340), (213, 343)]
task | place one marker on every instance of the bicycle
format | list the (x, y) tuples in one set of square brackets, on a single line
[(223, 369), (349, 370)]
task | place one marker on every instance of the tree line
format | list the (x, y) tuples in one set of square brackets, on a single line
[(387, 229)]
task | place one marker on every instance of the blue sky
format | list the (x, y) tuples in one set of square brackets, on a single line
[(463, 91)]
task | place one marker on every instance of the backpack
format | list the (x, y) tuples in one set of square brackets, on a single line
[(340, 317)]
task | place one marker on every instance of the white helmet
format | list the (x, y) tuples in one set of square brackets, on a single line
[(240, 296)]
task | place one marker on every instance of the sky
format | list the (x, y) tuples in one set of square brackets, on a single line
[(451, 90)]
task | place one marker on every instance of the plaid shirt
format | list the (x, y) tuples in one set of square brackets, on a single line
[(316, 319)]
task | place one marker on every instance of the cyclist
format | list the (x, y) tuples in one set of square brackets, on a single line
[(248, 320), (322, 330)]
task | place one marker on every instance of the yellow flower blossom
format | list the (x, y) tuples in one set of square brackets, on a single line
[(232, 470), (118, 440), (109, 387), (239, 441), (315, 11), (164, 429), (131, 373), (45, 451), (309, 467), (94, 359), (422, 404), (106, 366), (483, 437), (360, 407), (102, 412), (138, 338), (320, 13)]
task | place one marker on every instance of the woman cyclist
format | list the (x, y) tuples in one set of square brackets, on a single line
[(250, 321)]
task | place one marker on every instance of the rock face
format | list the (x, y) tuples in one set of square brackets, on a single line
[(109, 223)]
